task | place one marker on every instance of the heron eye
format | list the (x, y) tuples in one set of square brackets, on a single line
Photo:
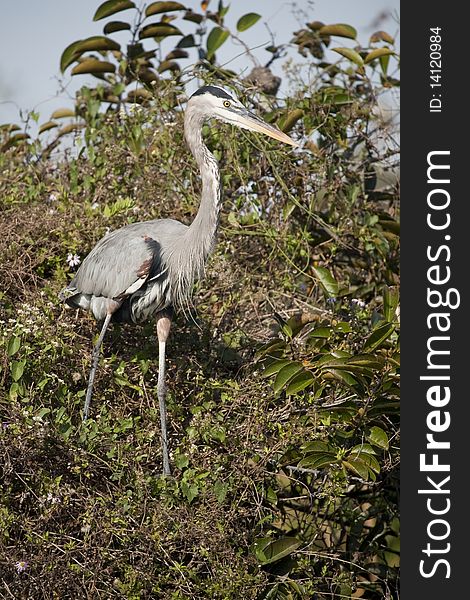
[(227, 103)]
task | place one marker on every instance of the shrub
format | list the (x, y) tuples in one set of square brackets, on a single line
[(283, 391)]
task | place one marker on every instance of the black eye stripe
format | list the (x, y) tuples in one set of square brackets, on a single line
[(215, 91)]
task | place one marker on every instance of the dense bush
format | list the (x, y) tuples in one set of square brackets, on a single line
[(283, 385)]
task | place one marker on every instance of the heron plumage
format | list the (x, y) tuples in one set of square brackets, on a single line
[(143, 270), (130, 264)]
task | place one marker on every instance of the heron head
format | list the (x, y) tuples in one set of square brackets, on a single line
[(211, 101)]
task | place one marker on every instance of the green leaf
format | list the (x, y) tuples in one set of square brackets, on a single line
[(247, 21), (15, 389), (358, 467), (343, 376), (318, 454), (369, 361), (330, 360), (378, 437), (296, 323), (299, 382), (368, 459), (61, 113), (393, 542), (318, 446), (268, 551), (384, 61), (378, 336), (290, 119), (391, 297), (163, 7), (365, 454), (340, 30), (70, 55), (9, 127), (92, 66), (327, 281), (343, 327), (286, 329), (46, 126), (158, 30), (275, 367), (177, 53), (193, 17), (60, 414), (123, 382), (189, 491), (111, 7), (114, 26), (321, 332), (69, 128), (354, 369), (14, 344), (232, 219), (338, 98), (168, 65), (187, 42), (351, 54), (392, 558), (285, 374), (43, 412), (215, 39), (377, 53), (220, 490), (389, 224), (122, 205), (288, 209), (181, 461), (97, 43), (270, 347), (17, 369), (271, 496), (317, 460), (363, 449), (223, 10), (340, 354), (15, 139)]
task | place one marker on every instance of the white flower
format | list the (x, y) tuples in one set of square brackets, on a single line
[(95, 205), (53, 197), (358, 302), (21, 566), (73, 260)]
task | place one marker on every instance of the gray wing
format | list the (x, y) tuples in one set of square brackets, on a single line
[(125, 259)]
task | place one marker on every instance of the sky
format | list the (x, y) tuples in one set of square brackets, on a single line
[(33, 35)]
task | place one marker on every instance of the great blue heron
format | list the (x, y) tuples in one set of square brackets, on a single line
[(143, 270)]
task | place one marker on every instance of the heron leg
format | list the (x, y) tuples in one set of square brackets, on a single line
[(163, 331), (96, 357)]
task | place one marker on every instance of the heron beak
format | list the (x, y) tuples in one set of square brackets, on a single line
[(250, 121)]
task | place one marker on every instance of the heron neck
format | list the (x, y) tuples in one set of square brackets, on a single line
[(192, 249), (203, 230)]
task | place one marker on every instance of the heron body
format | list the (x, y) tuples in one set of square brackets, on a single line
[(145, 270), (130, 266)]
